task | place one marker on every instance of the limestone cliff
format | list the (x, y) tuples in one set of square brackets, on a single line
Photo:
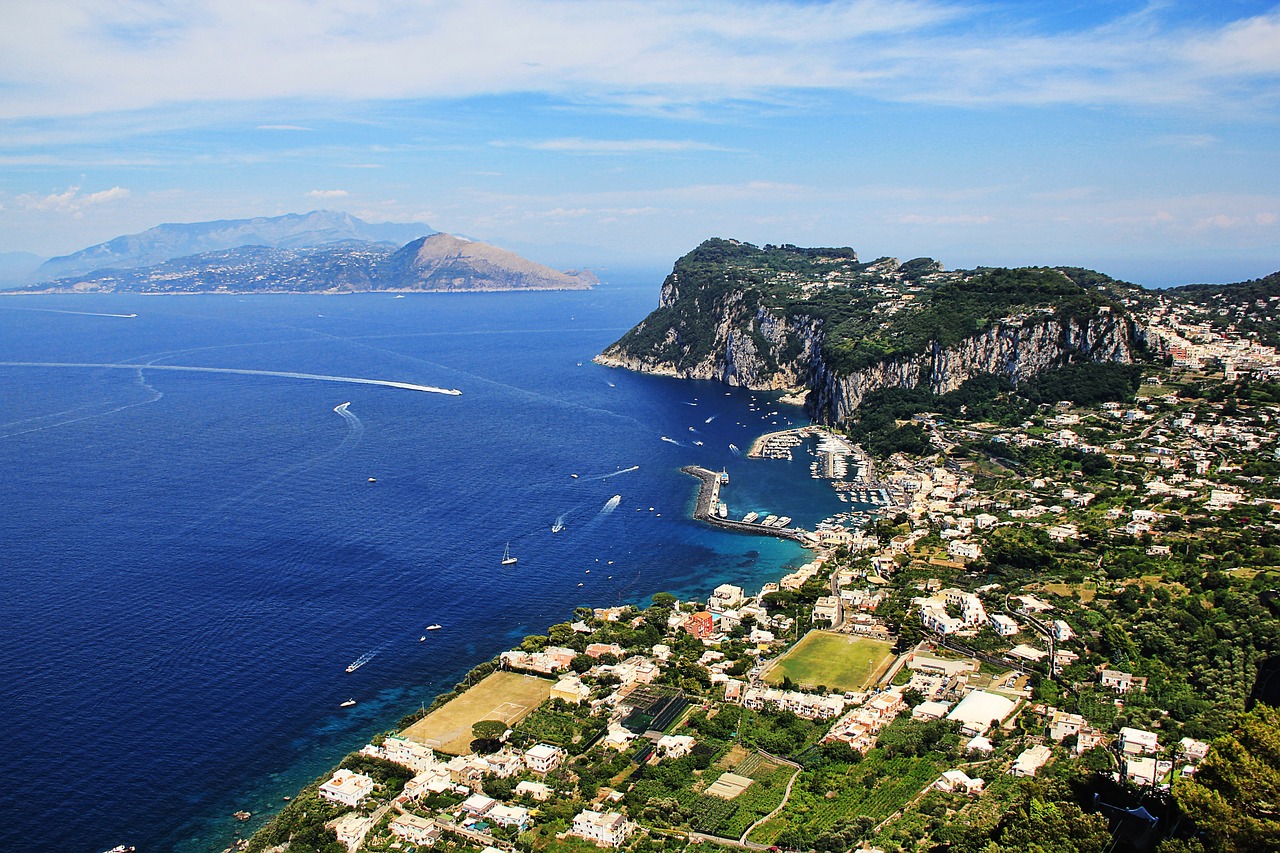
[(821, 322)]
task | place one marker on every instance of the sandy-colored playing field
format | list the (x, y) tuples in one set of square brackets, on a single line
[(505, 696)]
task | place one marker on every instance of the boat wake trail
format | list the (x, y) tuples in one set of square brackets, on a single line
[(672, 441), (355, 430), (81, 313), (283, 374), (355, 427), (611, 504), (733, 448), (559, 524), (710, 419), (44, 422), (616, 473)]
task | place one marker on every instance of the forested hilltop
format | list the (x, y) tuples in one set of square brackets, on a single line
[(820, 321)]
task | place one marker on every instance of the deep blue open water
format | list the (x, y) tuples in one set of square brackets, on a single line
[(190, 560)]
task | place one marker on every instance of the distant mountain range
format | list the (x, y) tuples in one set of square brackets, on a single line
[(317, 252), (183, 239)]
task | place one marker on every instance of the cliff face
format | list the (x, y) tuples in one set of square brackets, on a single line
[(734, 327), (1017, 352)]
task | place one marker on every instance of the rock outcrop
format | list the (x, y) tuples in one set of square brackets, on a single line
[(750, 325)]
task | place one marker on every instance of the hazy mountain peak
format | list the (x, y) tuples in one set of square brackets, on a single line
[(181, 239)]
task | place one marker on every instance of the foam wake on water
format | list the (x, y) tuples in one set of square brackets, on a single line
[(81, 313), (672, 441), (283, 374), (611, 504), (733, 448), (355, 427), (40, 423), (616, 473)]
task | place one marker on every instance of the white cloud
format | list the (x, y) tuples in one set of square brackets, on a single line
[(285, 127), (70, 200), (328, 194), (1188, 140), (959, 219), (657, 55), (612, 146)]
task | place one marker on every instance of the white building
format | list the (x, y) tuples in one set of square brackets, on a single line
[(965, 550), (1122, 682), (1138, 741), (347, 788), (478, 805), (674, 746), (536, 790), (726, 595), (977, 711), (826, 608), (957, 781), (1063, 725), (543, 758), (1031, 760), (935, 618), (414, 829), (606, 829), (1003, 625), (504, 815), (351, 829), (1192, 750), (971, 609)]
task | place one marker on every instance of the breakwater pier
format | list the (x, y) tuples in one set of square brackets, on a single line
[(709, 496)]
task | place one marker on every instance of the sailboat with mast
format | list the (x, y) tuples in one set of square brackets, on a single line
[(507, 559)]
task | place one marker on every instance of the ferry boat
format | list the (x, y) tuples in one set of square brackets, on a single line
[(348, 703), (769, 520), (122, 848), (507, 559), (784, 521), (722, 510), (724, 477), (750, 517)]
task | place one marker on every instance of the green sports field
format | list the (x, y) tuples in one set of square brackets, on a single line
[(834, 660)]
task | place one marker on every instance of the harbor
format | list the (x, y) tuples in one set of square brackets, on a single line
[(709, 498)]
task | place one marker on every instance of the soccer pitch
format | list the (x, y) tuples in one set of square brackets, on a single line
[(504, 696), (834, 660)]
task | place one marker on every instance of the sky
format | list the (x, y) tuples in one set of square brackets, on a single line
[(1139, 139)]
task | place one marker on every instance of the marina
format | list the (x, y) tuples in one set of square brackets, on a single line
[(708, 497)]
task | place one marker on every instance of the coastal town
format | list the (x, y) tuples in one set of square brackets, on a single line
[(986, 633)]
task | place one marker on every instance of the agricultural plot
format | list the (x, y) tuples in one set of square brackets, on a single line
[(833, 660), (876, 787), (505, 696), (560, 728), (737, 799)]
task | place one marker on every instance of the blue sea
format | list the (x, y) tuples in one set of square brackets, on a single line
[(190, 560)]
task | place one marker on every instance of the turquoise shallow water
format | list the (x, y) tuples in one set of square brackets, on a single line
[(191, 559)]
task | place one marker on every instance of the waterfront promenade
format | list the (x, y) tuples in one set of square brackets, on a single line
[(709, 496)]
